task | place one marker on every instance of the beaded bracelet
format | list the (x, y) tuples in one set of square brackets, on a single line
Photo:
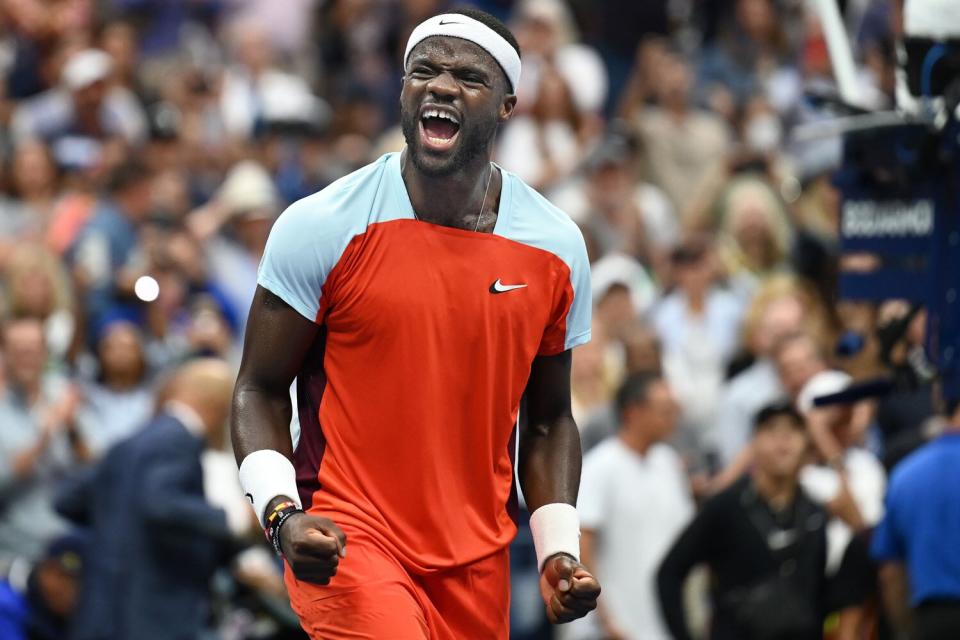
[(275, 520)]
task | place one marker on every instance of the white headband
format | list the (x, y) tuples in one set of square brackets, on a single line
[(456, 25)]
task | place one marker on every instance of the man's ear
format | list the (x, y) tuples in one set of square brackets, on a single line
[(507, 106)]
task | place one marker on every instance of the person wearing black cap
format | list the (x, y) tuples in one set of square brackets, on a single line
[(764, 541), (36, 602)]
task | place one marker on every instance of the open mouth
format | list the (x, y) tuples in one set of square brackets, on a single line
[(439, 129)]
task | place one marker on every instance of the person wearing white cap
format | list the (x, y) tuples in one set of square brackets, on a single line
[(245, 207), (416, 301), (81, 114), (850, 482)]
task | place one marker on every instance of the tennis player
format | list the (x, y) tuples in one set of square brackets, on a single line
[(419, 303)]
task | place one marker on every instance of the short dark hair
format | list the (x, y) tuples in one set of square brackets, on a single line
[(498, 27), (781, 409), (127, 175), (635, 389)]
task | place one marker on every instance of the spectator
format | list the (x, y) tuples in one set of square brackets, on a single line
[(256, 90), (615, 26), (592, 377), (561, 92), (752, 57), (798, 358), (697, 324), (118, 401), (234, 227), (543, 146), (840, 463), (777, 312), (37, 602), (35, 187), (764, 542), (682, 145), (917, 540), (39, 442), (85, 118), (634, 501), (37, 286), (849, 482), (641, 349), (148, 493), (547, 36), (622, 291), (622, 213), (755, 236), (104, 257)]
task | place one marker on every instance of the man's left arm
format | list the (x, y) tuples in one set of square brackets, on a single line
[(549, 472)]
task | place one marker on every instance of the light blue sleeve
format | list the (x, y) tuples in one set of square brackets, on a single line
[(535, 222), (581, 309), (304, 245), (310, 237)]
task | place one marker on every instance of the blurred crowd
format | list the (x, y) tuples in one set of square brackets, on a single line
[(146, 146)]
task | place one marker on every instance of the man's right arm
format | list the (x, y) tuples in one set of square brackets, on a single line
[(277, 340)]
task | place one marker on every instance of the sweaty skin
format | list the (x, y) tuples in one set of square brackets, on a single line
[(459, 76)]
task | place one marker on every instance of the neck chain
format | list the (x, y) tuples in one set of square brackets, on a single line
[(476, 227)]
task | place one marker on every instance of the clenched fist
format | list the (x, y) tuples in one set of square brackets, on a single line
[(312, 546)]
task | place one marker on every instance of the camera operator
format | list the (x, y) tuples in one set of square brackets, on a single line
[(764, 541)]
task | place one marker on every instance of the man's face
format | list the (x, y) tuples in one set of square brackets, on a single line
[(616, 309), (25, 352), (60, 590), (779, 448), (610, 186), (694, 277), (454, 96), (89, 98), (782, 317), (675, 80), (657, 417), (120, 351), (797, 362)]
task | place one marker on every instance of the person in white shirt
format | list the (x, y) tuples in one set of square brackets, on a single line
[(850, 482), (698, 324), (634, 501)]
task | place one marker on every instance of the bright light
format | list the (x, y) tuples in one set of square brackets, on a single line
[(146, 288)]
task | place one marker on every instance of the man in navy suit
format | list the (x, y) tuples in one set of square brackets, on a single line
[(156, 541)]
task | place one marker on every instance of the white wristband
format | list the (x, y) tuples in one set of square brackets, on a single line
[(556, 529), (266, 474)]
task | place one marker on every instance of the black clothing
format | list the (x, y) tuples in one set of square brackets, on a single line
[(937, 620), (157, 541), (757, 556)]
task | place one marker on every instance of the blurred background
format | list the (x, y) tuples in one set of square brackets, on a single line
[(146, 147)]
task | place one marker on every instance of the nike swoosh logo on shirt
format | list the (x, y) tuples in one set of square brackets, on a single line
[(499, 287)]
